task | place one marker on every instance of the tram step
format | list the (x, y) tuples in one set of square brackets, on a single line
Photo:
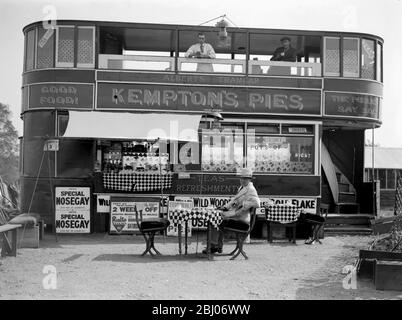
[(343, 187), (347, 197)]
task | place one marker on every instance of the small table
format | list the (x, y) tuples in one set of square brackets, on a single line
[(180, 216), (282, 214)]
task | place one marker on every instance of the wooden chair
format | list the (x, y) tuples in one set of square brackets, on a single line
[(148, 228), (242, 231), (7, 247)]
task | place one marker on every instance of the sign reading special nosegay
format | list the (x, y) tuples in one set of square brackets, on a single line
[(195, 98), (352, 105), (60, 95), (73, 209), (122, 213)]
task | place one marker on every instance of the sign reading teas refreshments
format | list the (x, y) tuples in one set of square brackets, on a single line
[(122, 213), (352, 105), (73, 208), (194, 98), (61, 95)]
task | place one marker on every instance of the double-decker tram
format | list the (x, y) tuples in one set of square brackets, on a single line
[(117, 114)]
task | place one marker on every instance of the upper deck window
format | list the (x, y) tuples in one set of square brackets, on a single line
[(379, 62), (30, 50), (368, 59), (45, 49), (351, 57), (209, 52), (86, 47), (332, 56), (65, 46), (289, 55)]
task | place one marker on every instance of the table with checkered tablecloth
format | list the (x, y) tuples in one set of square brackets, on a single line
[(282, 213), (137, 181), (178, 217)]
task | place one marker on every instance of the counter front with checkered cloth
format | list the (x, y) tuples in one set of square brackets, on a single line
[(137, 181), (282, 213), (180, 216)]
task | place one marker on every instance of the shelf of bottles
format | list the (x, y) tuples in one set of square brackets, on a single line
[(127, 169)]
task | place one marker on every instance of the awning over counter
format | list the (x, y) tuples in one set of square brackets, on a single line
[(118, 125)]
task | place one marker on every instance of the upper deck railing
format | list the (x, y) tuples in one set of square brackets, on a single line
[(157, 63)]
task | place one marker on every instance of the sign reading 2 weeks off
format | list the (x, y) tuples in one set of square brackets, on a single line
[(73, 209), (122, 213)]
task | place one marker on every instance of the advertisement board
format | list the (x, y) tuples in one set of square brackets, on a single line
[(72, 209), (122, 213)]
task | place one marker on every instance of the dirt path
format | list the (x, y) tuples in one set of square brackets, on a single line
[(110, 267)]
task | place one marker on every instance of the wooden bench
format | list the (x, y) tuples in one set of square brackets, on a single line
[(7, 248)]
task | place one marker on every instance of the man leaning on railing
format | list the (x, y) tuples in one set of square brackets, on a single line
[(202, 50)]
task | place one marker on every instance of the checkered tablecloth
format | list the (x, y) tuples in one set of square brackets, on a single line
[(141, 181), (283, 213), (180, 216)]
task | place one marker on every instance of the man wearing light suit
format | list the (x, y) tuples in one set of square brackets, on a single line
[(237, 210)]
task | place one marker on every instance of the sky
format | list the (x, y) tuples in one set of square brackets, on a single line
[(379, 17)]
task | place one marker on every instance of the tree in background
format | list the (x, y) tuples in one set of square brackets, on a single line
[(9, 148)]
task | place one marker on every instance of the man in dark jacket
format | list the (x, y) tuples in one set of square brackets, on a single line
[(286, 52)]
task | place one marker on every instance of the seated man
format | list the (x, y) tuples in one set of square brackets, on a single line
[(202, 50), (237, 209)]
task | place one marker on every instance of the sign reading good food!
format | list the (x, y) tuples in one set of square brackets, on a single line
[(122, 213), (61, 95), (73, 208)]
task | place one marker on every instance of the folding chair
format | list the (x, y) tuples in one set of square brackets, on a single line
[(148, 227), (242, 231)]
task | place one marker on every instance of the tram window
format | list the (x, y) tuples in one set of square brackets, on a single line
[(391, 179), (383, 178), (263, 46), (86, 47), (273, 154), (65, 46), (45, 49), (30, 50), (350, 56), (263, 128), (225, 48), (332, 56), (222, 152), (368, 59), (379, 62)]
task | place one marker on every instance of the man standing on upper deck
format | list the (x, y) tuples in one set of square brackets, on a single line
[(202, 50), (286, 52)]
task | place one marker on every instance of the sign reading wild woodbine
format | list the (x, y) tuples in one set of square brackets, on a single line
[(352, 105), (194, 98), (73, 209)]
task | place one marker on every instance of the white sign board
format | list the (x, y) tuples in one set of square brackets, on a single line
[(72, 209), (122, 215), (103, 203), (309, 205)]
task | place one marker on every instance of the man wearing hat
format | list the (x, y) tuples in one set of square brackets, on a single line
[(286, 52), (237, 209)]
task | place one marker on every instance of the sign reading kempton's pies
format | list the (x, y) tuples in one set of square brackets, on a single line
[(195, 98), (352, 105), (61, 95)]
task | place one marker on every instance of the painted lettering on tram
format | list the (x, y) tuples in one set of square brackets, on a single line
[(189, 98)]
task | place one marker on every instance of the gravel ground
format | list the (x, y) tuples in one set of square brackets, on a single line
[(102, 266)]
